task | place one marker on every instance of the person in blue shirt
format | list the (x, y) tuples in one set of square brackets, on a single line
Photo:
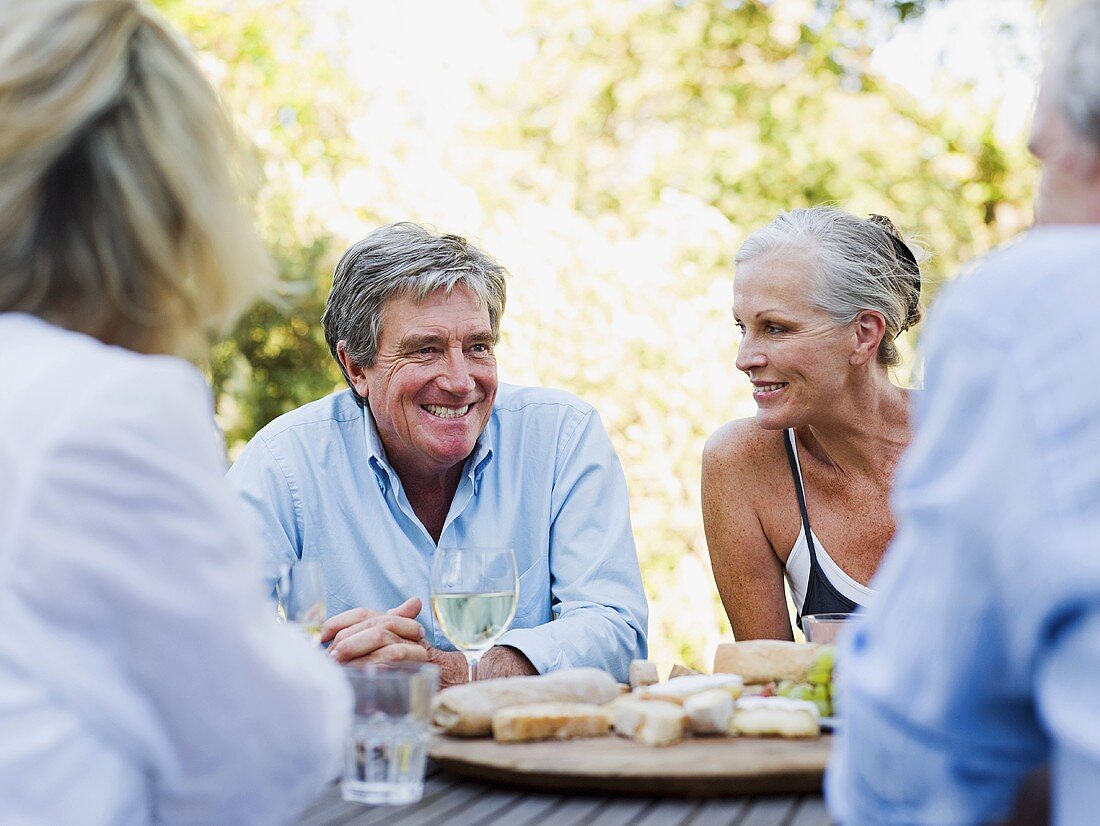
[(980, 659), (426, 450)]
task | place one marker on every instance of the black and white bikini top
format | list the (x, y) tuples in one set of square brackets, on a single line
[(818, 585)]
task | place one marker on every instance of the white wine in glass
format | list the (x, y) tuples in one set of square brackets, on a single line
[(301, 592), (474, 594)]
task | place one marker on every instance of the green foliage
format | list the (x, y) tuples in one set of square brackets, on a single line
[(615, 174)]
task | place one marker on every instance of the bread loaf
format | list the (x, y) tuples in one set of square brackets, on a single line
[(780, 716), (647, 722), (549, 721), (468, 709), (679, 689), (761, 661)]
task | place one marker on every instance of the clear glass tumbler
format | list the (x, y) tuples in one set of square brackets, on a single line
[(825, 628), (386, 750)]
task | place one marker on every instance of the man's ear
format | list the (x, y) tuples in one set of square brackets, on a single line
[(869, 327), (356, 373)]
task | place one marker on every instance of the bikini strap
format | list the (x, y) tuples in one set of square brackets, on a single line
[(796, 473)]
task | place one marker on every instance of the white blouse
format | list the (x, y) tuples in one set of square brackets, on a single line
[(142, 674)]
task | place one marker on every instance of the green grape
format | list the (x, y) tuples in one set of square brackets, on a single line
[(784, 688), (824, 659), (802, 691), (824, 707)]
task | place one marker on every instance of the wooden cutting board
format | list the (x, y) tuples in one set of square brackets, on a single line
[(697, 767)]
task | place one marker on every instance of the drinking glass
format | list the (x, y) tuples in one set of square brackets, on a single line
[(825, 628), (474, 593), (301, 592), (386, 749)]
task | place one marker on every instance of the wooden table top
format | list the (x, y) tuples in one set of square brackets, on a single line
[(452, 801)]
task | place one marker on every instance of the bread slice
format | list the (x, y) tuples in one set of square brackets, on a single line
[(550, 721), (778, 716), (643, 672), (761, 661), (468, 709), (647, 722), (680, 688), (709, 712)]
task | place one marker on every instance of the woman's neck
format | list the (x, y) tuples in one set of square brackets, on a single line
[(865, 436)]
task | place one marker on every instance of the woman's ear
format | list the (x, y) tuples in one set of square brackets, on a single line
[(869, 328)]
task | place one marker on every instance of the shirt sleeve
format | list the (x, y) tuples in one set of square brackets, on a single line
[(266, 487), (936, 696), (596, 585), (139, 597)]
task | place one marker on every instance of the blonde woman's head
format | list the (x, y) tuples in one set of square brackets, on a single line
[(119, 213)]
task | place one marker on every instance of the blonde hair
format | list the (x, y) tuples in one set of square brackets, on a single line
[(119, 211)]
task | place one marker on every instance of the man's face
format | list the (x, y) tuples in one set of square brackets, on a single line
[(1068, 183), (432, 385)]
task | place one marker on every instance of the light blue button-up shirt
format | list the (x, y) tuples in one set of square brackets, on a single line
[(543, 479), (980, 659)]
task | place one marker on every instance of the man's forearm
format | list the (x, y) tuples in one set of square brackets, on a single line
[(505, 661), (499, 661)]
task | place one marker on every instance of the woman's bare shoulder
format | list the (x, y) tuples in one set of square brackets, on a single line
[(741, 446)]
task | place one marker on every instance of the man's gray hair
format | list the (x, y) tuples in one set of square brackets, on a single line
[(1075, 62), (402, 259), (862, 265)]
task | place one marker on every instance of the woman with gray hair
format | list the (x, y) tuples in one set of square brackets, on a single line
[(820, 297), (142, 675)]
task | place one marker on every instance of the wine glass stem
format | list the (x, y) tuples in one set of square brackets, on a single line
[(472, 658)]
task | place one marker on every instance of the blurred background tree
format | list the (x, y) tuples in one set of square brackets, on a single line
[(612, 155)]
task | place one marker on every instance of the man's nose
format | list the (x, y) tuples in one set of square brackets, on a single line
[(456, 377)]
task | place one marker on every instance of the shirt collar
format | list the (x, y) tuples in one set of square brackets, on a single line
[(476, 463)]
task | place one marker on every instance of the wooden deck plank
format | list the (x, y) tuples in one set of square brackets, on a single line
[(811, 812), (669, 813), (769, 811), (566, 811), (489, 807), (620, 812), (720, 812)]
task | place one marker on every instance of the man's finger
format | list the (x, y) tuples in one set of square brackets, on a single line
[(409, 608), (374, 633), (401, 652), (335, 624)]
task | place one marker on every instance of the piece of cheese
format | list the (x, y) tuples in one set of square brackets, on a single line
[(779, 716), (679, 689), (646, 722), (643, 672), (549, 721), (710, 711)]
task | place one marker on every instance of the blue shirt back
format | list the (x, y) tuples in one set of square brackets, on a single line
[(980, 658)]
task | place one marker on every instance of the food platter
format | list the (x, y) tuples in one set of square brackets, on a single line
[(696, 767)]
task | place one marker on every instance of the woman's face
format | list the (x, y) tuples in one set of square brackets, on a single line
[(797, 358)]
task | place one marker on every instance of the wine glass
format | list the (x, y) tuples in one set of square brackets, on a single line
[(474, 593), (301, 592)]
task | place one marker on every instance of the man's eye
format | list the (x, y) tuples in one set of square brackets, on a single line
[(740, 327), (425, 351), (772, 328), (480, 348)]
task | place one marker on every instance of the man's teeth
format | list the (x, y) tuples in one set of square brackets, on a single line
[(767, 388), (446, 412)]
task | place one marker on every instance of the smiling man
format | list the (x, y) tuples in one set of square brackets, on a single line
[(426, 450)]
